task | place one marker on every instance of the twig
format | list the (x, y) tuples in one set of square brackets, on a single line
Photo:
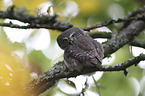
[(107, 35), (97, 85), (136, 12), (114, 21), (133, 14), (138, 43), (85, 87), (36, 26)]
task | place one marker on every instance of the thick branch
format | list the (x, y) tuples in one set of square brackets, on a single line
[(124, 37), (58, 72)]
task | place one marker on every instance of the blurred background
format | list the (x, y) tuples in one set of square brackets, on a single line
[(27, 53)]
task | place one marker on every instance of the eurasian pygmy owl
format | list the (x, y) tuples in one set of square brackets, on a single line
[(80, 49)]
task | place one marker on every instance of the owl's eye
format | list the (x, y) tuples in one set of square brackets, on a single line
[(73, 36), (65, 40)]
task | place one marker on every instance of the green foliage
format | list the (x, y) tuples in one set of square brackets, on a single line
[(115, 84), (90, 12), (37, 58)]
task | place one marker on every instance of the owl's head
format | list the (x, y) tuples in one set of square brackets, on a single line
[(67, 37)]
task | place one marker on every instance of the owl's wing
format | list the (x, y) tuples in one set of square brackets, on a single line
[(84, 50), (99, 49)]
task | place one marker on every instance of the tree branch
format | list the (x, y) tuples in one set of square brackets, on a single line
[(36, 26), (125, 36), (107, 35), (138, 43), (34, 22), (58, 72), (85, 88), (127, 20), (51, 22), (115, 21), (136, 12), (133, 14)]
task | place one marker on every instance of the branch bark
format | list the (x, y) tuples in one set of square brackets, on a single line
[(42, 21), (48, 79), (107, 35), (125, 36)]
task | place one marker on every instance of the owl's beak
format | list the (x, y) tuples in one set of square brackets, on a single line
[(71, 42)]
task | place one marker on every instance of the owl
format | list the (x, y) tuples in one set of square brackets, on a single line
[(80, 50)]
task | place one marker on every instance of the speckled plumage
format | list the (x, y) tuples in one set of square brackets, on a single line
[(80, 49)]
